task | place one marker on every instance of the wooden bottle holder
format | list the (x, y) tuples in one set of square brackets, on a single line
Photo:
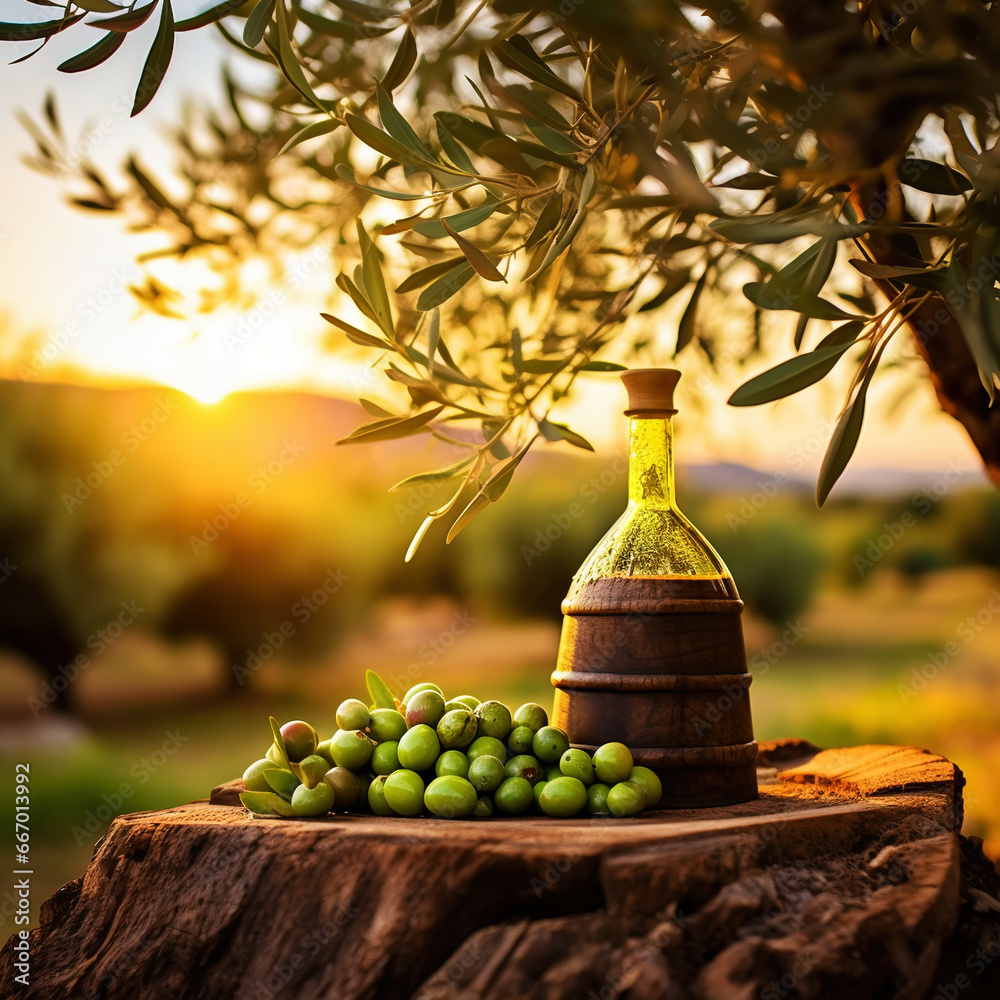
[(659, 665)]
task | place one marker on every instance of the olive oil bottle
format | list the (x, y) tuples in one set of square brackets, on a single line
[(652, 650)]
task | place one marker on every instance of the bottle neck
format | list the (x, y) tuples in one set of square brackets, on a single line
[(651, 461)]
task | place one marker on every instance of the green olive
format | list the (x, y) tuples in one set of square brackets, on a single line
[(650, 783), (419, 748), (531, 715), (550, 744), (520, 739), (626, 798), (386, 724), (451, 797), (553, 771), (325, 751), (486, 774), (316, 801), (563, 797), (404, 792), (597, 800), (376, 797), (353, 714), (351, 749), (346, 785), (524, 766), (312, 770), (613, 763), (300, 739), (452, 762), (417, 688), (493, 719), (457, 728), (468, 700), (385, 757), (577, 764), (537, 791), (424, 708), (514, 796), (484, 807), (253, 776), (488, 746)]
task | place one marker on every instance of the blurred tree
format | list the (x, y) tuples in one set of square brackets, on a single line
[(586, 162)]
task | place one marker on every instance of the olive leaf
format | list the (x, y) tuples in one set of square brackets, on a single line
[(402, 62), (686, 327), (282, 782), (445, 287), (266, 804), (435, 228), (798, 373), (436, 475), (95, 55), (127, 21), (155, 67), (560, 432), (279, 743), (398, 127), (392, 427), (378, 691), (932, 177), (484, 267), (312, 131), (257, 22), (209, 16)]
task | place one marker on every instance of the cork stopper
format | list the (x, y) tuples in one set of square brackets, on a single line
[(650, 391)]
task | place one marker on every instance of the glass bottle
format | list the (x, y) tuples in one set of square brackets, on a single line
[(652, 651)]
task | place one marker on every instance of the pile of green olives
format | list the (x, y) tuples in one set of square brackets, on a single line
[(449, 758)]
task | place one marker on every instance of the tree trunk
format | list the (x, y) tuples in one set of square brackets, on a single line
[(846, 878)]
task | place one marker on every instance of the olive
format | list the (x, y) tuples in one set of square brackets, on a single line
[(457, 728), (493, 719), (553, 772), (385, 757), (386, 724), (351, 749), (486, 745), (353, 714), (316, 801), (486, 773), (613, 763), (531, 715), (346, 786), (520, 739), (325, 751), (424, 708), (419, 748), (524, 766), (514, 796), (550, 744), (451, 797), (253, 776), (376, 797), (484, 807), (404, 792), (452, 762), (577, 764), (312, 770), (597, 799), (563, 797), (537, 791), (300, 739), (650, 783), (626, 798), (417, 688), (468, 700)]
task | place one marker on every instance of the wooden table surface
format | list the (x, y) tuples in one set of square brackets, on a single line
[(843, 879)]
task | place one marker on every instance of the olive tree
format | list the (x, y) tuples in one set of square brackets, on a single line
[(510, 184)]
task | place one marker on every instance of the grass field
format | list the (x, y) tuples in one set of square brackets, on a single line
[(885, 664)]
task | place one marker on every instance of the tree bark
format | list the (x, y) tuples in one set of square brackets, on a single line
[(846, 878)]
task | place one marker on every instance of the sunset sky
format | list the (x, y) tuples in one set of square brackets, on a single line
[(65, 274)]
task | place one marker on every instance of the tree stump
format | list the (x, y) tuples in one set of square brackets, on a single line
[(846, 878)]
